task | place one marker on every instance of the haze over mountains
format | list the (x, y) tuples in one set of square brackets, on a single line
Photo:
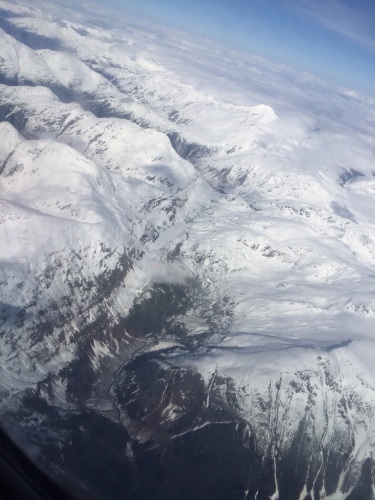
[(187, 265)]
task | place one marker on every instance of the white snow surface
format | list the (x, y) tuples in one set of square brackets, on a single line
[(278, 213)]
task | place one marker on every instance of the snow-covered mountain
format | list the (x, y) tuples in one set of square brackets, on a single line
[(187, 263)]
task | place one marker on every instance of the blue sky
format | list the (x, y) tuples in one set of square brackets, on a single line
[(334, 39)]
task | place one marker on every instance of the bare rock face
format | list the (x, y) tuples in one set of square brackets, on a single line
[(186, 282)]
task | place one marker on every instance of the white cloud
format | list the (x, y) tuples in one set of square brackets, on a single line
[(171, 273)]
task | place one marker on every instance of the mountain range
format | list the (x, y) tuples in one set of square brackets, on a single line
[(187, 264)]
